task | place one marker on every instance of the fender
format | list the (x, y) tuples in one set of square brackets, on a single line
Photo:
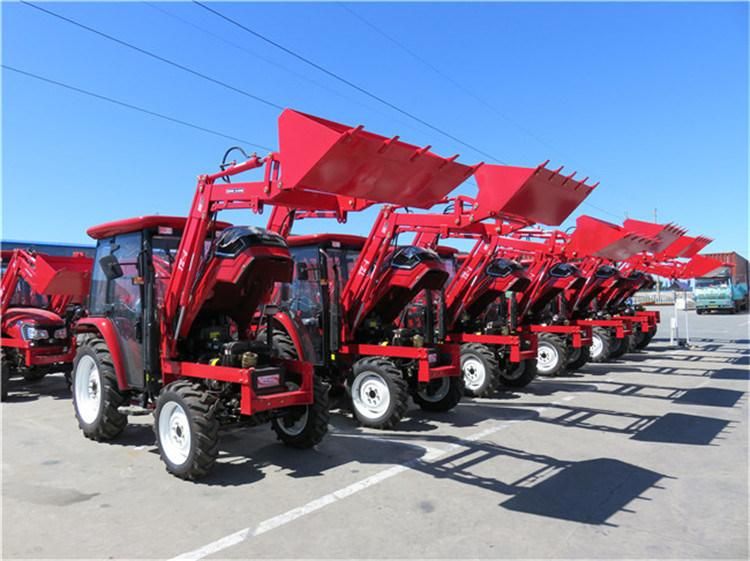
[(287, 325), (105, 328)]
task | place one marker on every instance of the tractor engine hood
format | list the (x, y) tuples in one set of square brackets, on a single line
[(500, 276), (406, 272), (240, 276), (16, 320)]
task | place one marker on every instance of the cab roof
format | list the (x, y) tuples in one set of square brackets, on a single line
[(138, 223)]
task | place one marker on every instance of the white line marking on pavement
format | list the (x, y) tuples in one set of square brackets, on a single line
[(321, 502)]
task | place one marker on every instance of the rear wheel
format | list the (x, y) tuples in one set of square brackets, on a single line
[(96, 397), (552, 354), (379, 393), (519, 374), (187, 432), (480, 370), (305, 426), (578, 357), (441, 394), (601, 344), (621, 346)]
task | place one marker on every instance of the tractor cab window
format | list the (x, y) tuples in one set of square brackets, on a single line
[(164, 252), (302, 299)]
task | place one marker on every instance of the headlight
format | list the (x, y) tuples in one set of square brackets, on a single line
[(31, 333), (61, 333)]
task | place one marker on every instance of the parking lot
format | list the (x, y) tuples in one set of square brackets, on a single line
[(643, 458)]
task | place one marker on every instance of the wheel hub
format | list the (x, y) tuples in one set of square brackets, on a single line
[(371, 395), (596, 346), (547, 358), (474, 373)]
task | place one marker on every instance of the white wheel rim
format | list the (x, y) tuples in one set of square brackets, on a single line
[(440, 388), (474, 373), (547, 357), (174, 432), (88, 389), (597, 346), (371, 395)]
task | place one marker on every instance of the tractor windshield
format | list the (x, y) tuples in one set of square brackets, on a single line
[(712, 282)]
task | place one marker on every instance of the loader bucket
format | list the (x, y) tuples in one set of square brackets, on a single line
[(597, 238), (321, 155), (665, 234), (532, 195), (701, 266), (686, 246), (61, 276)]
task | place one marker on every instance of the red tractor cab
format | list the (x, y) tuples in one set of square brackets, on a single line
[(41, 297)]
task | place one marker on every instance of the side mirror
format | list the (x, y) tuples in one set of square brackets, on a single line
[(302, 272), (111, 267)]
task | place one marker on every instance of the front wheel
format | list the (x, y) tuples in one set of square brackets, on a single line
[(552, 355), (519, 374), (441, 394), (480, 370), (186, 428), (601, 344), (306, 425), (379, 393), (96, 396)]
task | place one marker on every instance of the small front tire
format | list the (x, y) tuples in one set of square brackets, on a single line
[(578, 357), (480, 370), (552, 355), (379, 393), (601, 344), (186, 428)]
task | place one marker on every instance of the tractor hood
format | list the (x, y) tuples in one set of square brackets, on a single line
[(16, 318)]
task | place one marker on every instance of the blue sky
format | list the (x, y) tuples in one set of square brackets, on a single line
[(649, 99)]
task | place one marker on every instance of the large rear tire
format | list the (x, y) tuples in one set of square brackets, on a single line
[(519, 375), (578, 357), (552, 354), (601, 344), (379, 393), (480, 370), (186, 428), (96, 396), (306, 425), (441, 394)]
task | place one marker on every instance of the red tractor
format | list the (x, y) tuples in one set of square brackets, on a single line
[(39, 298), (174, 304), (345, 310)]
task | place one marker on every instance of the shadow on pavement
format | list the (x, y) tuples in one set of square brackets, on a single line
[(589, 492)]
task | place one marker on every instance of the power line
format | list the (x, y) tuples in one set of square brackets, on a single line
[(347, 82), (460, 86), (132, 107), (155, 56)]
